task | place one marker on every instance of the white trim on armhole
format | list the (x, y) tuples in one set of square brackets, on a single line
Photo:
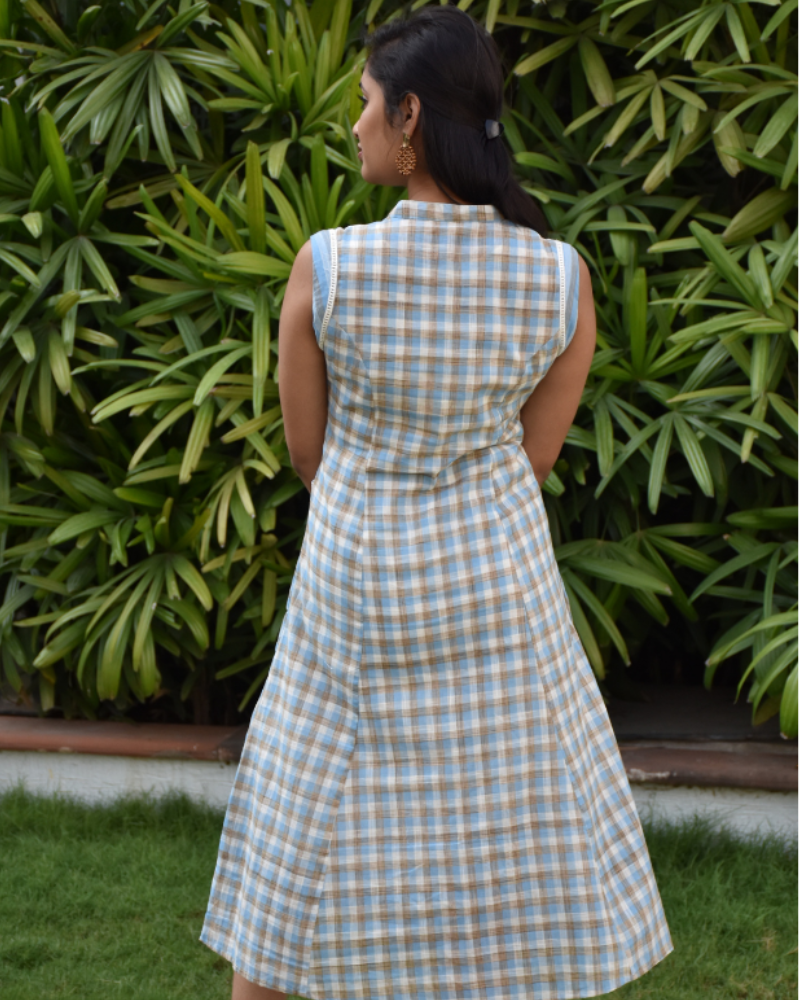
[(331, 289), (562, 299)]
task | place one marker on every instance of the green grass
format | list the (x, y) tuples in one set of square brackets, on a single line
[(104, 903)]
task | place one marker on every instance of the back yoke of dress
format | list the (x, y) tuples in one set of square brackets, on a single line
[(431, 802)]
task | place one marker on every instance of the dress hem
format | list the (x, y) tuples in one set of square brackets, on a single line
[(635, 971)]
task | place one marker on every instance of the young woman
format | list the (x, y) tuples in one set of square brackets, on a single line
[(431, 801)]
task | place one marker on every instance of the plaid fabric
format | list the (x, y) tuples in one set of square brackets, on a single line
[(431, 800)]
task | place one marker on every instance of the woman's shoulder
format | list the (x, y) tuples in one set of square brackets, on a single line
[(528, 242), (328, 245), (360, 237), (322, 236)]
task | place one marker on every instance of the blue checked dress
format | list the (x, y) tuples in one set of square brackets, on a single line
[(431, 802)]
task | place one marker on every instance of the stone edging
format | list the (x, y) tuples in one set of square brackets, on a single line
[(712, 764), (121, 739)]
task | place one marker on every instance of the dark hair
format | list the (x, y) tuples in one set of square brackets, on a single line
[(454, 66)]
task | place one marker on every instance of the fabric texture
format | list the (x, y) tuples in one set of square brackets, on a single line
[(431, 800)]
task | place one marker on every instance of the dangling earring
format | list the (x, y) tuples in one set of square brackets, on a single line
[(406, 158)]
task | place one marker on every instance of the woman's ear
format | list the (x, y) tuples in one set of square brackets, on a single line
[(411, 108)]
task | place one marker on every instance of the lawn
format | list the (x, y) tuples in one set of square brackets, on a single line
[(104, 903)]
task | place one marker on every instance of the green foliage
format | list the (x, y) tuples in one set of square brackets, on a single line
[(159, 170)]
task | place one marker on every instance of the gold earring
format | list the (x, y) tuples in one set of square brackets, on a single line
[(406, 158)]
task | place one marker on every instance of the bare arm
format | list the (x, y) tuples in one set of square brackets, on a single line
[(302, 373), (548, 413)]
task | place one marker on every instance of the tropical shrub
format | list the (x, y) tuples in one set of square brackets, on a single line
[(160, 167)]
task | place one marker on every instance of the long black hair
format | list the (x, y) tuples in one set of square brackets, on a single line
[(453, 65)]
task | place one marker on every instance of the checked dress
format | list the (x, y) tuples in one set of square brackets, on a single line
[(431, 802)]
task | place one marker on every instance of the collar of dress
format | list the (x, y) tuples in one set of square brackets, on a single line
[(444, 211)]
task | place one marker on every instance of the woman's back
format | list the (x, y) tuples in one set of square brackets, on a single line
[(438, 322)]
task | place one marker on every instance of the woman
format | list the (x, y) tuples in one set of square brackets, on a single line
[(431, 801)]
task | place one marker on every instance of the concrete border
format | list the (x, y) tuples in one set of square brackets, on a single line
[(99, 778)]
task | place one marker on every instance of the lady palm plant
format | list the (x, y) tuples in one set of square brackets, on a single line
[(707, 379), (180, 333), (661, 141)]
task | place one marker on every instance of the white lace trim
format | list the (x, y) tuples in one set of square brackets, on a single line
[(562, 299), (331, 289)]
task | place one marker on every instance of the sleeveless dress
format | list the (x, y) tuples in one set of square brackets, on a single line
[(431, 801)]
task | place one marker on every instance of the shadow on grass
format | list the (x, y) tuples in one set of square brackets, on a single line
[(107, 902)]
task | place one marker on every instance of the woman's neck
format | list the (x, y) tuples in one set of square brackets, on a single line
[(425, 188)]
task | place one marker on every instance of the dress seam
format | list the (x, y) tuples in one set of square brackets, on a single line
[(578, 796)]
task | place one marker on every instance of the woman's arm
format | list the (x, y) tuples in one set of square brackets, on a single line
[(549, 411), (303, 379)]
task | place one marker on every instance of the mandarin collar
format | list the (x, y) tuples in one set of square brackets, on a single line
[(445, 211)]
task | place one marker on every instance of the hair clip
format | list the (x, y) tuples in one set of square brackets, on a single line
[(493, 128)]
